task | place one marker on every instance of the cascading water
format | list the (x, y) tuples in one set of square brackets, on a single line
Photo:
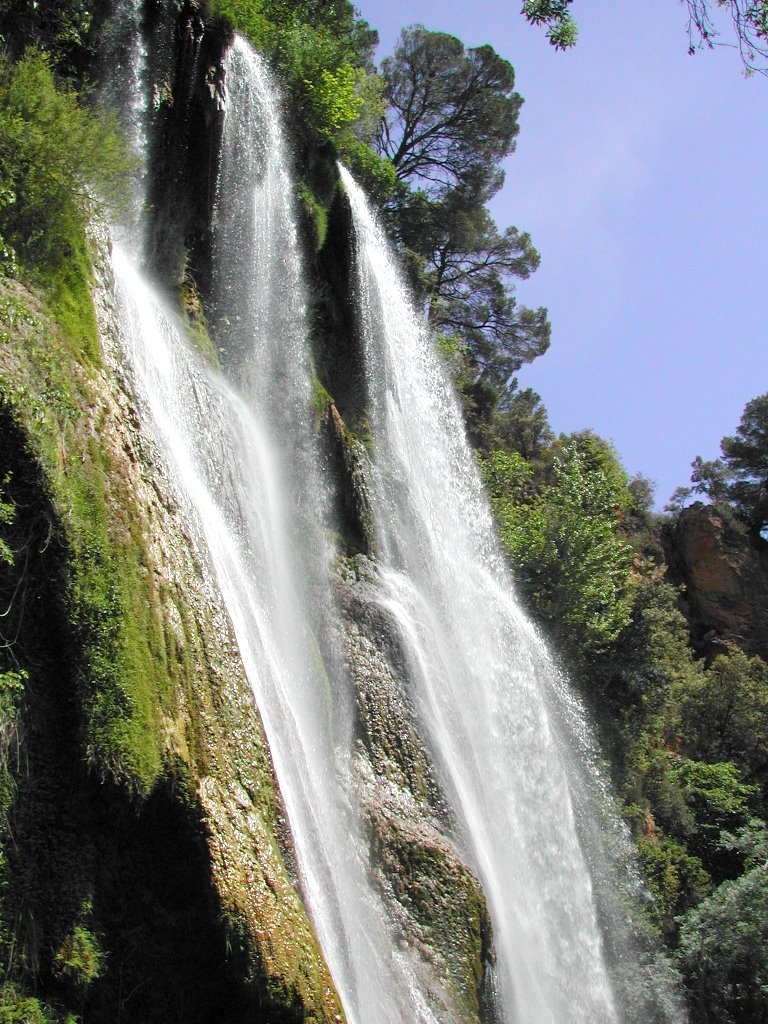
[(124, 59), (241, 451), (488, 695), (240, 447)]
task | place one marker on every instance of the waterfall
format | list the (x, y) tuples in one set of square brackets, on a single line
[(239, 446), (124, 60), (487, 692)]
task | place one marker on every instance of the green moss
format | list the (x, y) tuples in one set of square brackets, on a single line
[(49, 396), (445, 901), (321, 399), (69, 297), (318, 214), (134, 670), (195, 323)]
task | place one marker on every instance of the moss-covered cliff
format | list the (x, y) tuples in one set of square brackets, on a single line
[(144, 846)]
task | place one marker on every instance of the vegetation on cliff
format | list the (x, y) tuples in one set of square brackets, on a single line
[(142, 843)]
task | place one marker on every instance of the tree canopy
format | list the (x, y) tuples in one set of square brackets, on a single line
[(452, 116), (746, 456), (741, 476), (451, 111)]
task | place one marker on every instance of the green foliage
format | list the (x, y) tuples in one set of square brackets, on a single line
[(322, 52), (469, 270), (561, 28), (7, 514), (508, 476), (522, 424), (452, 116), (334, 99), (723, 952), (61, 28), (723, 714), (570, 558), (18, 1008), (749, 19), (697, 802), (746, 456), (655, 654), (80, 959), (7, 252), (740, 479), (677, 880), (374, 173), (61, 163), (710, 478)]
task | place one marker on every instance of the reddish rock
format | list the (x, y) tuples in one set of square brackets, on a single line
[(724, 573)]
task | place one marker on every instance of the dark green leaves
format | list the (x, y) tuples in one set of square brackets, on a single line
[(450, 110)]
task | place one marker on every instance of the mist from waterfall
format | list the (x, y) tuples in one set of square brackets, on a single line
[(506, 732)]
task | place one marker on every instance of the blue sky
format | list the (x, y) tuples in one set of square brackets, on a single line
[(642, 175)]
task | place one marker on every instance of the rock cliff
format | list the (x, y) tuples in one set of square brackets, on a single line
[(724, 572)]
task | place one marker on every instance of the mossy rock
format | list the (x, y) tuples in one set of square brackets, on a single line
[(137, 705), (431, 893), (445, 916)]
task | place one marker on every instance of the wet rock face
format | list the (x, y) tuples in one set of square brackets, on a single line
[(725, 575), (185, 67), (338, 345), (433, 896)]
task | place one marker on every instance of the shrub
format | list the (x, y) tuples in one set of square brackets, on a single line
[(60, 163), (723, 952)]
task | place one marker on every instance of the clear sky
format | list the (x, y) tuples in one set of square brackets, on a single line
[(641, 174)]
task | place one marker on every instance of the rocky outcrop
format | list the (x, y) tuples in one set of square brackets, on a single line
[(432, 895), (724, 572)]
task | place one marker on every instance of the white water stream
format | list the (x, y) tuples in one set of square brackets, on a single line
[(241, 450), (480, 674)]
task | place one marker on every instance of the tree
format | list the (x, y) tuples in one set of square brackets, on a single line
[(452, 116), (749, 19), (741, 476), (61, 28), (561, 28), (467, 276), (746, 456), (723, 952), (750, 25), (450, 111), (723, 714), (710, 478), (571, 560), (60, 160), (523, 424)]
